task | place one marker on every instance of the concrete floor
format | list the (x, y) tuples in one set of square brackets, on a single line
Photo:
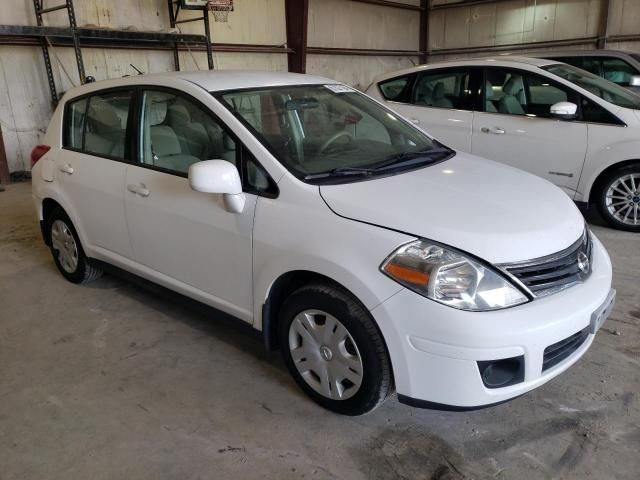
[(114, 381)]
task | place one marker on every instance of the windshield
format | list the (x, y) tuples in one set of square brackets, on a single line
[(322, 131), (600, 87)]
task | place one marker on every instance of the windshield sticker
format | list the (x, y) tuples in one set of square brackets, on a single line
[(337, 88)]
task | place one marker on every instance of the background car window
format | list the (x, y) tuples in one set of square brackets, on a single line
[(517, 92), (444, 89), (177, 133), (617, 71), (74, 123), (105, 132), (397, 89)]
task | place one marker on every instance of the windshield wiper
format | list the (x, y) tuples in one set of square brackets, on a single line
[(408, 158), (341, 171)]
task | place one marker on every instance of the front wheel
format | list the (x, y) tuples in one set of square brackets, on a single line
[(334, 351)]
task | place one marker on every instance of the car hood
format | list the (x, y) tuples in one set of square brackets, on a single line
[(493, 211)]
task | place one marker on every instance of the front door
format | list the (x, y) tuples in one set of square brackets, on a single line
[(441, 104), (515, 127), (186, 238)]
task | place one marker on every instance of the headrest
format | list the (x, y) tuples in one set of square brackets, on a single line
[(103, 116), (488, 90), (513, 86), (438, 91), (157, 112), (164, 141), (178, 115)]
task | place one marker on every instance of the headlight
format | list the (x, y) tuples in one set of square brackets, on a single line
[(447, 276)]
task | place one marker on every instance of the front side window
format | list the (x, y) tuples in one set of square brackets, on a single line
[(600, 87), (397, 89), (328, 131), (444, 89), (518, 92), (177, 133)]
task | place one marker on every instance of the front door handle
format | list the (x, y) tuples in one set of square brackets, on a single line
[(494, 130), (141, 189), (68, 169)]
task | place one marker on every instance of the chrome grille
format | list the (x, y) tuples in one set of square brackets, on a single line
[(547, 275)]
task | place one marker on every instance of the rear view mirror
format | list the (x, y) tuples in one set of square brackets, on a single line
[(564, 110), (635, 81), (218, 176)]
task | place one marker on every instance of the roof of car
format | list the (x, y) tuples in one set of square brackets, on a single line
[(211, 80), (500, 60), (586, 53)]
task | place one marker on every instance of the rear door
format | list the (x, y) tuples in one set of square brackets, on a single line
[(515, 127), (440, 102), (91, 169)]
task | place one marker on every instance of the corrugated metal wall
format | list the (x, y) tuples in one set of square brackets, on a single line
[(24, 95)]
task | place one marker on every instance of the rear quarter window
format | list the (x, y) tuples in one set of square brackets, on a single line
[(74, 124)]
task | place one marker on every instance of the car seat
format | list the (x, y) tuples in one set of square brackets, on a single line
[(439, 99), (512, 90), (490, 106), (192, 136), (105, 134)]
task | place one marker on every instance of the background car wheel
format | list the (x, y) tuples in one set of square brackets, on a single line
[(619, 198), (67, 251), (334, 350)]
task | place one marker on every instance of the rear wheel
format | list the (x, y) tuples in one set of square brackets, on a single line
[(619, 198), (334, 350), (67, 251)]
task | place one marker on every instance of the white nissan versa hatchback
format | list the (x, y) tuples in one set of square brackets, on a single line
[(554, 120), (374, 257)]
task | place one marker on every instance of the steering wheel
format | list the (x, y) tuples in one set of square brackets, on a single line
[(333, 138)]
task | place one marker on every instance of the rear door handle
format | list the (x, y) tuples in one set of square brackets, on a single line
[(139, 189), (68, 169), (494, 130)]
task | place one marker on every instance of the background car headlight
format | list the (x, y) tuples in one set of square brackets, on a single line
[(447, 276)]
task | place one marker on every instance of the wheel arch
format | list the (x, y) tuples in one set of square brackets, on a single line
[(597, 183), (47, 207), (282, 287)]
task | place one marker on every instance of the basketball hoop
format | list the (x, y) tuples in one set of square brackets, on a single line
[(220, 9)]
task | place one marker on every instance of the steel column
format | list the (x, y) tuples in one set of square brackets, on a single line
[(603, 23), (424, 31), (296, 15), (37, 4)]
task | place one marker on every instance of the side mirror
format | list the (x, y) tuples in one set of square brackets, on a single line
[(221, 177), (564, 110), (635, 81)]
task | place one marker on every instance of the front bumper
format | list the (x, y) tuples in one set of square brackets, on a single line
[(435, 349)]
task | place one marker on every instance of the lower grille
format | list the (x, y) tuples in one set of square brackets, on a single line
[(559, 351), (550, 274)]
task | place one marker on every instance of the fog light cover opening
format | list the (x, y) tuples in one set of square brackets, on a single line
[(502, 373)]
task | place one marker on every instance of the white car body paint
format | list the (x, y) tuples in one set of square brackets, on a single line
[(187, 241), (537, 145)]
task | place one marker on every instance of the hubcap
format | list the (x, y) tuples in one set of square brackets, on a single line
[(623, 199), (64, 244), (325, 354)]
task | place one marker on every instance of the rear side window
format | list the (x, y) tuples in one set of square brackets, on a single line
[(617, 71), (74, 125), (98, 124), (397, 89), (444, 89)]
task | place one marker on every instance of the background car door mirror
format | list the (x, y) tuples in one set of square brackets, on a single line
[(564, 110), (221, 177), (635, 81)]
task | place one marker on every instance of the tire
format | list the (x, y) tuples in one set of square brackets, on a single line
[(324, 333), (618, 198), (67, 251)]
